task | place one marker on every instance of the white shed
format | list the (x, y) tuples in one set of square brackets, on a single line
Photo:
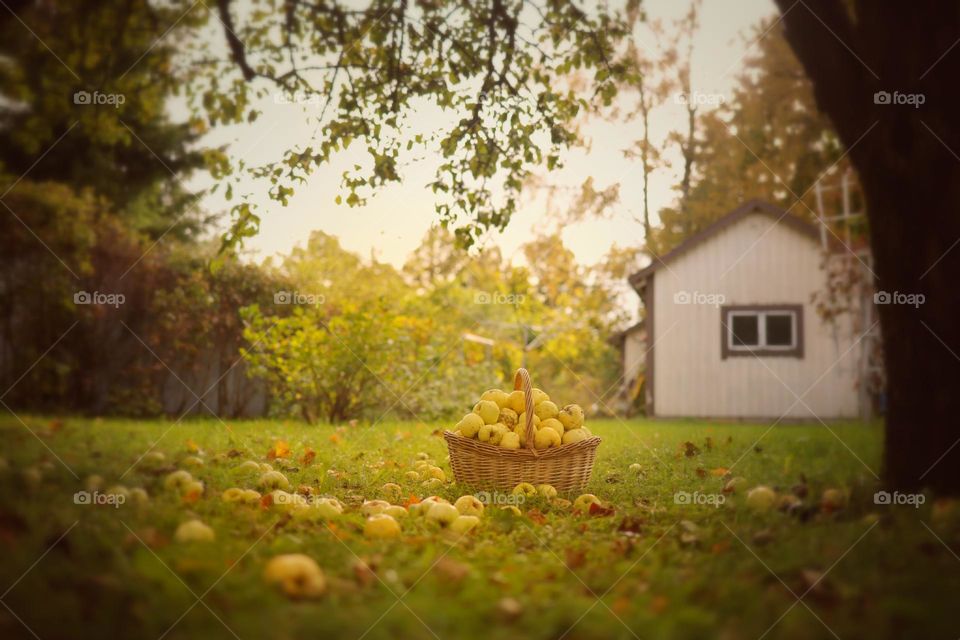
[(732, 331)]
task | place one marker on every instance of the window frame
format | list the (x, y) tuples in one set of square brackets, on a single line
[(760, 311)]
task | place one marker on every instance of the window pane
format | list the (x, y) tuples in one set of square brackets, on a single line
[(746, 331), (780, 330)]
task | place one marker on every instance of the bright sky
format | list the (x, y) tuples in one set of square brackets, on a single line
[(394, 220)]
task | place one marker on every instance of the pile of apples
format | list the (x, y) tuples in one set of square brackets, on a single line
[(499, 419)]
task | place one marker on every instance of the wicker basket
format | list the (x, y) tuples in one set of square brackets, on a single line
[(567, 467)]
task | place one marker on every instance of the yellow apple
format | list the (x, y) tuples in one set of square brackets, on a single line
[(574, 435), (497, 433), (274, 480), (547, 491), (249, 495), (525, 489), (583, 502), (539, 396), (442, 513), (635, 468), (522, 419), (233, 494), (488, 410), (470, 424), (761, 498), (508, 417), (571, 416), (391, 491), (510, 440), (546, 438), (192, 461), (177, 480), (249, 466), (396, 511), (512, 509), (464, 523), (483, 435), (436, 472), (411, 475), (546, 410), (297, 575), (833, 499), (371, 507), (329, 508), (496, 395), (469, 506), (194, 531), (516, 402), (552, 423), (381, 526)]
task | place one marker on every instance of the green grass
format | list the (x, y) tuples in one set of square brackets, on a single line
[(678, 571)]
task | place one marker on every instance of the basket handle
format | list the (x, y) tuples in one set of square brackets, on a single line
[(521, 382)]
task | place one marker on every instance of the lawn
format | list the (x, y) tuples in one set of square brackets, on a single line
[(650, 568)]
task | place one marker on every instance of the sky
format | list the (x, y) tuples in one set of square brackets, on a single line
[(394, 220)]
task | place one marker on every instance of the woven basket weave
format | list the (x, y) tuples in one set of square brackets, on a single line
[(567, 467)]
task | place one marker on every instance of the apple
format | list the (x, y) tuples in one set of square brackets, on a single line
[(194, 531), (525, 489), (92, 483), (539, 396), (512, 509), (522, 420), (575, 435), (192, 461), (488, 410), (547, 491), (391, 491), (442, 513), (510, 440), (571, 416), (583, 502), (496, 395), (251, 496), (546, 438), (381, 525), (177, 480), (469, 506), (297, 575), (412, 475), (833, 499), (552, 423), (274, 480), (761, 498), (516, 402), (470, 424), (233, 494), (139, 496), (635, 468), (464, 524), (546, 410), (497, 433), (371, 507), (249, 466), (508, 417), (396, 511), (436, 472), (329, 508)]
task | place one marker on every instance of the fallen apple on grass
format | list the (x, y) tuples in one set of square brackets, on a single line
[(296, 574)]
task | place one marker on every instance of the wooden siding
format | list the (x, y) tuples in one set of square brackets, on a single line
[(752, 262)]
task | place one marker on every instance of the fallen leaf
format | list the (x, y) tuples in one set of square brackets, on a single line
[(701, 472), (308, 456), (689, 449), (192, 446), (597, 510), (537, 516), (719, 472), (575, 557), (280, 449)]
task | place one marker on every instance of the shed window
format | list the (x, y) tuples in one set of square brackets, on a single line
[(762, 330)]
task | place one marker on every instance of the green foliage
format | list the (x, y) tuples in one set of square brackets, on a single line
[(508, 79)]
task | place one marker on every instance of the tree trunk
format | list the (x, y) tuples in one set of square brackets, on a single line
[(907, 159)]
